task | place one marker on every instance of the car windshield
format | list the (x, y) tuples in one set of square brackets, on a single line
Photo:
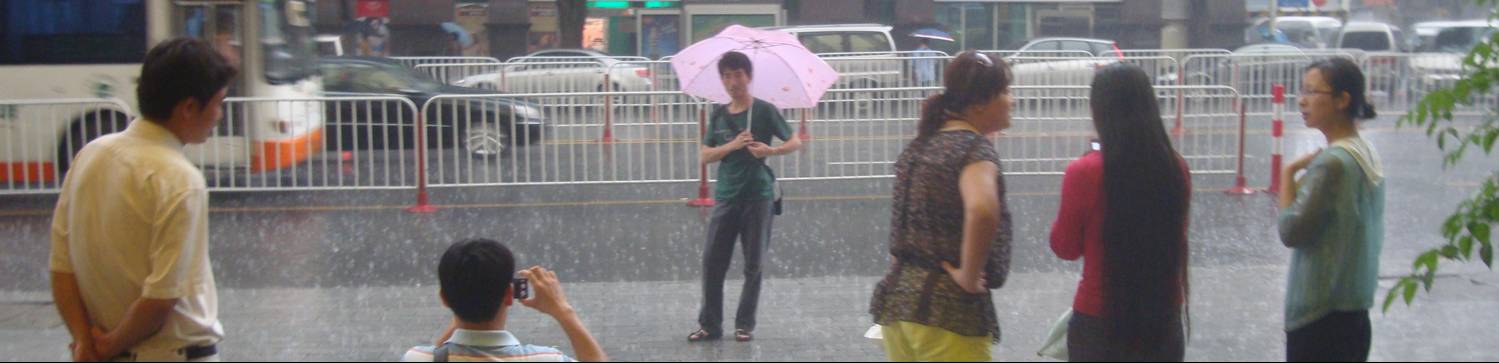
[(1302, 33), (1460, 40), (1368, 41), (1268, 48)]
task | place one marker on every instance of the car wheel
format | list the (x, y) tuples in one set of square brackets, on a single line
[(86, 129), (618, 100), (487, 140)]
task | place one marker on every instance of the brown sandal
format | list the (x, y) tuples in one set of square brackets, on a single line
[(742, 335), (702, 335)]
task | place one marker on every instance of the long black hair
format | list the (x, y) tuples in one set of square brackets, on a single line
[(1145, 223), (1344, 76), (972, 78)]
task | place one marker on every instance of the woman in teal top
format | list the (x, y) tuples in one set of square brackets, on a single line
[(1333, 217)]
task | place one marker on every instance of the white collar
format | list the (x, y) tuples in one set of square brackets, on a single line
[(483, 338), (154, 132)]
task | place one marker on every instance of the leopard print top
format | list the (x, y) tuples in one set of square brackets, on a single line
[(927, 229)]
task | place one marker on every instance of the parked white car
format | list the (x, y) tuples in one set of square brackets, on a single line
[(564, 71), (1069, 47), (1062, 61)]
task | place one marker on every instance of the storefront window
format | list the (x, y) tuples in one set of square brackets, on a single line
[(660, 35), (952, 16), (1014, 26), (706, 26), (1002, 25), (978, 31), (1106, 21)]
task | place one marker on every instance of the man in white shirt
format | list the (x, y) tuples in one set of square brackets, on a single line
[(130, 269)]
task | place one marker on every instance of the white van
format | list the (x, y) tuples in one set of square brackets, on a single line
[(869, 39), (1371, 37), (863, 54), (1462, 36)]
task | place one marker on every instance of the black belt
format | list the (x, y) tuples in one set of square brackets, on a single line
[(189, 353)]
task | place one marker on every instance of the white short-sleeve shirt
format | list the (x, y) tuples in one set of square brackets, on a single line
[(131, 223)]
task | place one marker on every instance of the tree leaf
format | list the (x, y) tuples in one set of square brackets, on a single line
[(1452, 227), (1480, 231), (1428, 259), (1410, 293), (1487, 254), (1389, 298), (1465, 245), (1449, 252), (1488, 141)]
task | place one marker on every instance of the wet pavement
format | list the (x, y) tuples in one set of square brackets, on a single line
[(349, 275)]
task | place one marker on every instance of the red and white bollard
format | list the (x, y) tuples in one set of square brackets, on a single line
[(423, 203), (1277, 133), (1241, 183), (703, 198)]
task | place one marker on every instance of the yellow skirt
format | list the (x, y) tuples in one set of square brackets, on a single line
[(911, 342)]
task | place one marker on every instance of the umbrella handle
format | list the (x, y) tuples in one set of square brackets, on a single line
[(749, 121)]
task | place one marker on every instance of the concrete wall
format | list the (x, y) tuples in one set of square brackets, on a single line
[(1218, 24), (1140, 24), (809, 12)]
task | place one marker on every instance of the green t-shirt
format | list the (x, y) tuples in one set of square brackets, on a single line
[(741, 177)]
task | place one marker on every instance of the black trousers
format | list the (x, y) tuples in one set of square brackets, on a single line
[(1337, 337), (1088, 341), (748, 222)]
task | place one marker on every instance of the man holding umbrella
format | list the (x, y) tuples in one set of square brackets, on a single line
[(925, 65), (751, 74), (738, 137)]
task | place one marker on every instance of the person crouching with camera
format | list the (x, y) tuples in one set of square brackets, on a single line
[(479, 283)]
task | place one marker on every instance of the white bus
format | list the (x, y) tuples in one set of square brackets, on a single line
[(91, 49)]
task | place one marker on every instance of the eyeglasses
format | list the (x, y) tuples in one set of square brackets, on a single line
[(1308, 93)]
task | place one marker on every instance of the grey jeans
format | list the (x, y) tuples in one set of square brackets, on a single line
[(749, 222)]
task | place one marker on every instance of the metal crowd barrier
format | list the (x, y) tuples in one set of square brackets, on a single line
[(1074, 71), (545, 129), (644, 143), (1398, 81), (568, 143), (1253, 75), (327, 143), (417, 61)]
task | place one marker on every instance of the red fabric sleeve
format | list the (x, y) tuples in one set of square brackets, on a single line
[(1080, 191)]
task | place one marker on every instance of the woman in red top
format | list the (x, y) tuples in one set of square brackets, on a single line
[(1124, 211)]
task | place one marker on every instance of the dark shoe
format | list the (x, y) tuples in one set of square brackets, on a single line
[(702, 335), (742, 335)]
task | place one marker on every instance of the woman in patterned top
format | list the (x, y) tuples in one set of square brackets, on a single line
[(950, 234)]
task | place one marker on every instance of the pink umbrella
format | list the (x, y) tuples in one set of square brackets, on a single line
[(786, 73)]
